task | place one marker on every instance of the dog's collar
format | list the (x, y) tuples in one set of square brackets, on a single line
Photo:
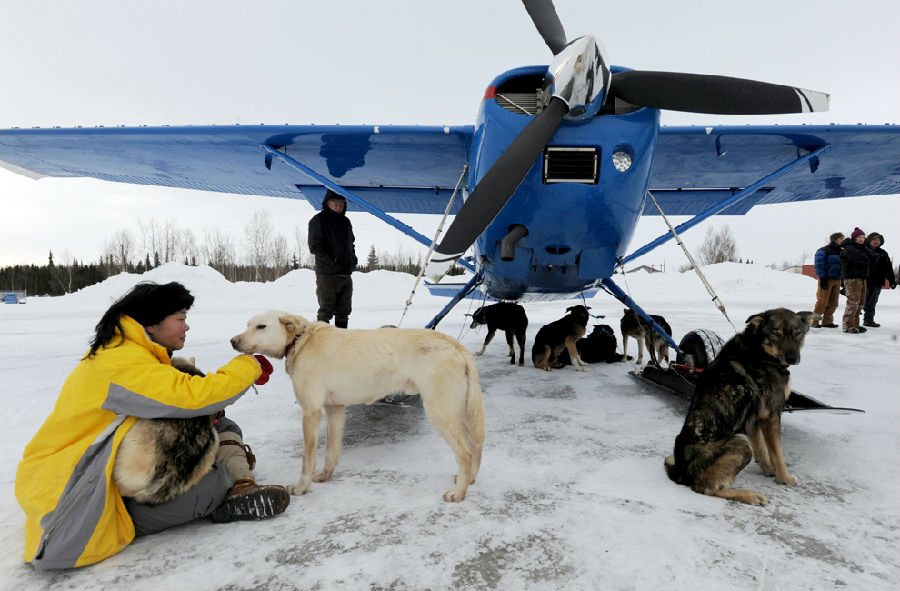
[(290, 345)]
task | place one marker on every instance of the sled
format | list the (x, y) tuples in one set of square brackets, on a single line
[(699, 346)]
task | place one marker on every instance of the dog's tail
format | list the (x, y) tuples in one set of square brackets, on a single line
[(474, 418)]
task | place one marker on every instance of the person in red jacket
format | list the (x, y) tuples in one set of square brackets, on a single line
[(75, 514)]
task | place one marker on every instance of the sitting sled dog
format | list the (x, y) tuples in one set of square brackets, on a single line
[(735, 414), (159, 459), (332, 367)]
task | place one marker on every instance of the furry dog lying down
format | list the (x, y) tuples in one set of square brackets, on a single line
[(560, 335), (598, 347), (735, 414), (332, 367), (159, 459)]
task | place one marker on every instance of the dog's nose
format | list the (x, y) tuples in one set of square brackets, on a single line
[(235, 341)]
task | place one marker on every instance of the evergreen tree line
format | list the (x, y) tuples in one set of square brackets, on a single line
[(264, 256)]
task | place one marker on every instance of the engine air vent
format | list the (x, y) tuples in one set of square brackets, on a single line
[(524, 103), (570, 165)]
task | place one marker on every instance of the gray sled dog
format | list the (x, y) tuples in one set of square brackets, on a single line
[(640, 330), (332, 367), (735, 414), (159, 459)]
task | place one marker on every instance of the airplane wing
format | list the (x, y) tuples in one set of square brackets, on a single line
[(399, 169), (696, 167)]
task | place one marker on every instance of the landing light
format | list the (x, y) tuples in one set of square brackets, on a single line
[(621, 160)]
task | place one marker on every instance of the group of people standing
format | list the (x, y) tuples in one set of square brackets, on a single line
[(857, 268)]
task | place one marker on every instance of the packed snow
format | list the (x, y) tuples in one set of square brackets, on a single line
[(571, 493)]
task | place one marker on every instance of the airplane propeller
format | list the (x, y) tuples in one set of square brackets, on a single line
[(581, 83)]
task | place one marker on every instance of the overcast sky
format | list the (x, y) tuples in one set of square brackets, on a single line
[(99, 62)]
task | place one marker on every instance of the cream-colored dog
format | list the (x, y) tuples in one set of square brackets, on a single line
[(332, 367)]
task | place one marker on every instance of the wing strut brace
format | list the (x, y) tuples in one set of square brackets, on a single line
[(726, 203), (437, 233), (709, 289), (326, 182)]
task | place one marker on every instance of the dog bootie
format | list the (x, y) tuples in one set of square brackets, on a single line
[(248, 501)]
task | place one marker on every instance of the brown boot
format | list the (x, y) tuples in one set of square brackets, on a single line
[(248, 501)]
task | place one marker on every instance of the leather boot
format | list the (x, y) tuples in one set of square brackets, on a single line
[(248, 501)]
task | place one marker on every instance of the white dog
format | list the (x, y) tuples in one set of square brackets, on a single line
[(332, 367)]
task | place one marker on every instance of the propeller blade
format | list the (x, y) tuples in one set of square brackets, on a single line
[(720, 95), (498, 184), (545, 19)]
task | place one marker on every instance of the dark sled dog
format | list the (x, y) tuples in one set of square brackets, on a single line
[(159, 459), (507, 317), (560, 334), (640, 330), (735, 414), (598, 347)]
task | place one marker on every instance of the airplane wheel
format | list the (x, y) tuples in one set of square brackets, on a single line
[(699, 347)]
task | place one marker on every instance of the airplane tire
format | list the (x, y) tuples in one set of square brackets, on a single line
[(699, 347)]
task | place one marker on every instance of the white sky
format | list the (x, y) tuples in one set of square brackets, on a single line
[(102, 62)]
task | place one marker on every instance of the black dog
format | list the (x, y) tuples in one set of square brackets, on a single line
[(508, 317), (599, 346), (640, 330), (560, 334), (735, 414)]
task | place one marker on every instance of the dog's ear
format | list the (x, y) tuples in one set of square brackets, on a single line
[(809, 318), (292, 324), (756, 320), (192, 361)]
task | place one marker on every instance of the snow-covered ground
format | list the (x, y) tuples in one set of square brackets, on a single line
[(571, 494)]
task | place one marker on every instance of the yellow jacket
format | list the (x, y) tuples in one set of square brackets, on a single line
[(74, 513)]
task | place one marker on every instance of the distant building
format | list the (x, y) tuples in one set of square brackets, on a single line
[(648, 269)]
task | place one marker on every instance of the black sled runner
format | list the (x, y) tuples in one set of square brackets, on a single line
[(698, 348)]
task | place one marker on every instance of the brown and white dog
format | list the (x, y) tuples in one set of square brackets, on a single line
[(560, 335), (332, 367)]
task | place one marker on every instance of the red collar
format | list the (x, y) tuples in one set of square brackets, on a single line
[(291, 346)]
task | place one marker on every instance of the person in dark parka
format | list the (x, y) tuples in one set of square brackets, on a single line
[(331, 241), (854, 270), (880, 270), (828, 270)]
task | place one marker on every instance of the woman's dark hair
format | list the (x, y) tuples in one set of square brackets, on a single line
[(148, 303)]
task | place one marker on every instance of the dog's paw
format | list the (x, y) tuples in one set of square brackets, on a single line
[(322, 475), (579, 367), (297, 489), (786, 478), (756, 498), (454, 496), (480, 353)]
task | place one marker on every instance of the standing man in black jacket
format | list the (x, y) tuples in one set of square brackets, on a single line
[(331, 241), (880, 270)]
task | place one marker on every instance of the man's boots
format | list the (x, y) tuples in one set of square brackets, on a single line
[(246, 501)]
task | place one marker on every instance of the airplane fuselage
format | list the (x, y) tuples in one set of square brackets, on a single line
[(575, 212)]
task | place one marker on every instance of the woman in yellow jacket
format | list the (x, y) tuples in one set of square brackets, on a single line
[(75, 514)]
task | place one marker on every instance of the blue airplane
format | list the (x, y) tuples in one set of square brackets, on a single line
[(547, 186)]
